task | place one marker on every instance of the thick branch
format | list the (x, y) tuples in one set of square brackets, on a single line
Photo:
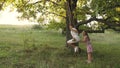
[(95, 31), (92, 31), (110, 24), (105, 21), (85, 22)]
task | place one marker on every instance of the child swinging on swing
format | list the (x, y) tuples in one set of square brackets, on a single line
[(75, 38)]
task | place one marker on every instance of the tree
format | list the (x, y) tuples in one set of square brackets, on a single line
[(5, 3), (106, 13), (89, 15), (1, 4)]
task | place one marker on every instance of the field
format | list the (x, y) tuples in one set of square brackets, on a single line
[(22, 47)]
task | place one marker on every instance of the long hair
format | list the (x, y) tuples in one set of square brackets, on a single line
[(87, 35)]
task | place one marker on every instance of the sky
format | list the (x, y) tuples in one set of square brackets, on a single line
[(10, 18)]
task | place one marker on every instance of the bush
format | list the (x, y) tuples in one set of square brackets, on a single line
[(38, 27), (56, 25)]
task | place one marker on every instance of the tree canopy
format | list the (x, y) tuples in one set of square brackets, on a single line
[(105, 12), (91, 15)]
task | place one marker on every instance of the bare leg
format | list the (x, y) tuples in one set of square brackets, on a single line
[(89, 57), (76, 48), (71, 44)]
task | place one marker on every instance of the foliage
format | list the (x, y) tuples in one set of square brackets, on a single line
[(6, 3), (39, 27), (105, 12), (39, 10), (84, 27), (56, 25)]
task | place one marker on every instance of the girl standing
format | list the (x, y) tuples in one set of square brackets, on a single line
[(86, 40)]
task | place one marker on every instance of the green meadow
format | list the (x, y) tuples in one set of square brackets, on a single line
[(23, 47)]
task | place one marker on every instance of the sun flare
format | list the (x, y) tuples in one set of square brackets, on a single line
[(10, 18)]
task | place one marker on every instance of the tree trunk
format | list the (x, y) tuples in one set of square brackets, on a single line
[(68, 35), (70, 16)]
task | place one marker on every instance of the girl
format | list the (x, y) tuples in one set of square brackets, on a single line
[(75, 38), (86, 39)]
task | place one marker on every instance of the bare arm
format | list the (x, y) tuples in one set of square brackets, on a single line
[(84, 39), (71, 28)]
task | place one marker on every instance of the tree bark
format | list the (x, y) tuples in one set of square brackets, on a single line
[(70, 17)]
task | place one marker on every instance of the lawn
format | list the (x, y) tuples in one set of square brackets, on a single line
[(22, 47)]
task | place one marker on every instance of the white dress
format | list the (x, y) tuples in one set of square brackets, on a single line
[(75, 36)]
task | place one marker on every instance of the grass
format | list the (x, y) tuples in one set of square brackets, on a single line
[(28, 48)]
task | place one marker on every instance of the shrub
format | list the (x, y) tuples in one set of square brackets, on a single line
[(39, 27)]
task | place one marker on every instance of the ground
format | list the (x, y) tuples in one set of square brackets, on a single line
[(23, 47)]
